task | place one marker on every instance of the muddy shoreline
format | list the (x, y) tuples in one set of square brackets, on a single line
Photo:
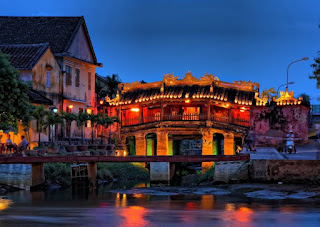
[(249, 190)]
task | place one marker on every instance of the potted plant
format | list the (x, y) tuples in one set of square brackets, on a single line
[(105, 121), (52, 120), (39, 114), (82, 118), (69, 118)]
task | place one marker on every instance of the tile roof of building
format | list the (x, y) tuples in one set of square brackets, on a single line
[(57, 31), (24, 56), (36, 97), (192, 92)]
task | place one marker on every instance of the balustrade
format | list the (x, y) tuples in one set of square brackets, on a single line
[(185, 117)]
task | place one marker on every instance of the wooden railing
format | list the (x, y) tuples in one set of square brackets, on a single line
[(185, 117)]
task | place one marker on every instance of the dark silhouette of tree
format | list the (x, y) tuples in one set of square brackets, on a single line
[(107, 86), (14, 101)]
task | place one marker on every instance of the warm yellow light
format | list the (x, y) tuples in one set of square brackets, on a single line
[(70, 106), (89, 111), (135, 109), (187, 101), (101, 102)]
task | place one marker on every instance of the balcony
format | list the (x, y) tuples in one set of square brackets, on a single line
[(184, 117)]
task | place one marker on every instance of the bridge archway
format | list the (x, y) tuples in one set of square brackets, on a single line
[(151, 142), (131, 145)]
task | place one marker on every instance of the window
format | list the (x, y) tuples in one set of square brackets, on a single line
[(77, 78), (89, 81), (68, 75), (48, 78)]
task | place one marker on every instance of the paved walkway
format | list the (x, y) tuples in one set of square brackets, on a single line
[(264, 153), (310, 151)]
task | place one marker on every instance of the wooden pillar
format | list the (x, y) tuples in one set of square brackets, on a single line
[(141, 115), (141, 148), (92, 172), (37, 174), (209, 112), (207, 148), (162, 143), (162, 113), (229, 144), (230, 115)]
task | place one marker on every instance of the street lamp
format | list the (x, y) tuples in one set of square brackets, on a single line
[(282, 86), (302, 59)]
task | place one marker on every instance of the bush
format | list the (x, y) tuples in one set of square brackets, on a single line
[(122, 171), (58, 173)]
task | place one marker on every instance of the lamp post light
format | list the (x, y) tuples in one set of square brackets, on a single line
[(302, 59), (282, 86)]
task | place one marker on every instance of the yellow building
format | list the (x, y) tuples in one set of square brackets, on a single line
[(56, 56)]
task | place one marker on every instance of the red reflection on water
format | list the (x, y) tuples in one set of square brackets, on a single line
[(190, 206), (103, 205), (243, 214), (134, 216)]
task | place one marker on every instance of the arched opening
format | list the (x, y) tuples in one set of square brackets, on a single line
[(151, 139), (131, 145), (218, 144)]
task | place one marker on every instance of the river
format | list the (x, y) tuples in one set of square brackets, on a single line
[(67, 207)]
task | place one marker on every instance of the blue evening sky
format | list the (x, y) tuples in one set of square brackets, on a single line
[(235, 40)]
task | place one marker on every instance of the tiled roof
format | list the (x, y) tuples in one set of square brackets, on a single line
[(192, 92), (24, 56), (36, 97), (57, 31)]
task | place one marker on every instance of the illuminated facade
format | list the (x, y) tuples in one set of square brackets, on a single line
[(156, 117)]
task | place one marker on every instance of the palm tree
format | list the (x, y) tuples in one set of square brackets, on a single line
[(268, 93), (39, 114), (93, 118), (105, 121), (69, 118), (26, 122), (51, 120), (82, 118), (107, 86)]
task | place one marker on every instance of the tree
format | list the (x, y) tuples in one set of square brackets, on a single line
[(51, 120), (39, 114), (268, 93), (26, 120), (69, 118), (305, 98), (109, 86), (93, 118), (316, 70), (14, 101), (105, 121), (82, 118)]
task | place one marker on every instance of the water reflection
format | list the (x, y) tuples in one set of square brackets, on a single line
[(101, 207), (134, 216), (5, 203)]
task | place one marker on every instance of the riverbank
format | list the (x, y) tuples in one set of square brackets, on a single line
[(249, 190)]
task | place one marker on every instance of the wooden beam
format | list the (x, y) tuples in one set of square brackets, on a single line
[(177, 158)]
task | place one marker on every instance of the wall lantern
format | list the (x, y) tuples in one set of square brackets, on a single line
[(70, 106), (187, 101), (242, 109), (55, 110), (101, 102), (135, 109)]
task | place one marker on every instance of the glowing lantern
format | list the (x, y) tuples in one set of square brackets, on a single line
[(135, 109), (187, 101), (70, 106), (101, 102)]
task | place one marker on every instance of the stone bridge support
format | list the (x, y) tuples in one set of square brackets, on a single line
[(92, 173), (141, 148), (37, 174), (207, 148), (229, 144), (162, 143)]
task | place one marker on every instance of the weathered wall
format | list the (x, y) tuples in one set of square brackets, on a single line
[(273, 123), (16, 175), (287, 171)]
